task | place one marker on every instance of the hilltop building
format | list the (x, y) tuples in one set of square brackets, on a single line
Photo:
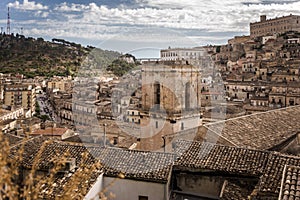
[(274, 26), (190, 55)]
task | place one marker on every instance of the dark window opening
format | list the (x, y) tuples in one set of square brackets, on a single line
[(156, 93), (187, 95), (143, 197)]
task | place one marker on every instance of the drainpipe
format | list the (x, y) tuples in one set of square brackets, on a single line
[(104, 139), (164, 138)]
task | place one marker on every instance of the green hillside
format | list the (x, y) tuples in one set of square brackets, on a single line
[(32, 57)]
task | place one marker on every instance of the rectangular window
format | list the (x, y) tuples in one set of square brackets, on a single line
[(156, 93), (143, 197)]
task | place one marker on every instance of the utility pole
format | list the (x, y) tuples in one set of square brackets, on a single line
[(164, 138)]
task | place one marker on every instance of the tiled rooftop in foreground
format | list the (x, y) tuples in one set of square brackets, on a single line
[(267, 166), (290, 185), (218, 158), (12, 139), (140, 165), (258, 131)]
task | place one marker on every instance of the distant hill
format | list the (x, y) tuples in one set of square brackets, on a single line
[(32, 57)]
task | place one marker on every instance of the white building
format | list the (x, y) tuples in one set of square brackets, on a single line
[(11, 114), (188, 54)]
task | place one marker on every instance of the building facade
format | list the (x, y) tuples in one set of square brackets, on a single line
[(274, 26), (188, 54), (11, 114), (20, 95), (166, 107)]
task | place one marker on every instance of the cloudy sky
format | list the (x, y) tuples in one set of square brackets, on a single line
[(140, 25)]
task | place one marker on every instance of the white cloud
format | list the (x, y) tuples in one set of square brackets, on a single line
[(214, 15), (194, 4), (64, 7), (42, 14), (27, 5), (194, 19)]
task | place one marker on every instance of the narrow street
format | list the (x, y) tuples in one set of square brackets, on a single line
[(46, 108)]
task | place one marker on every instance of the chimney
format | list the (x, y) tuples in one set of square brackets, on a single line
[(69, 165), (263, 18)]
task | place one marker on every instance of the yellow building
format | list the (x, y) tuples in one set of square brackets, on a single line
[(20, 95), (57, 83)]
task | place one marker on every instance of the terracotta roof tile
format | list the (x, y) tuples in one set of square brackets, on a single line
[(12, 139), (50, 131), (234, 190), (231, 160), (271, 180), (268, 166), (259, 131), (142, 165)]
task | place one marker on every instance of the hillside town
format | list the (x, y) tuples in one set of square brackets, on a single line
[(209, 122)]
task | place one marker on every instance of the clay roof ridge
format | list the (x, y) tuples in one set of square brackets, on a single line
[(88, 146), (25, 141), (220, 135), (254, 114), (239, 147)]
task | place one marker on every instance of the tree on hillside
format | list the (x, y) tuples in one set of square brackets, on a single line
[(120, 67)]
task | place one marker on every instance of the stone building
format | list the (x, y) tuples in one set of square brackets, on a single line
[(238, 39), (171, 100), (283, 95), (65, 112), (274, 26)]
